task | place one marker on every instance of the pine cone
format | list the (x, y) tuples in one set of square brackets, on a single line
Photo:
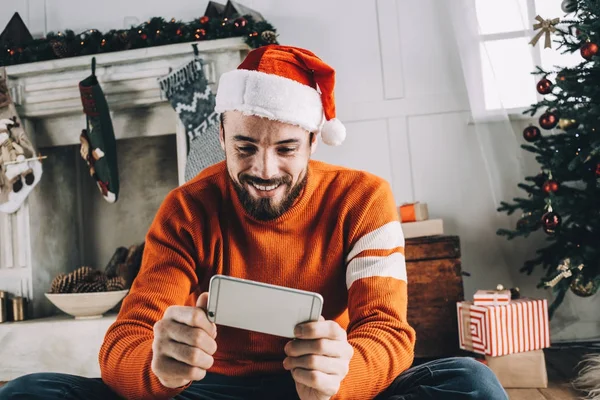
[(60, 49), (56, 283), (96, 276), (117, 283), (117, 258), (82, 274), (89, 287), (269, 37), (65, 284)]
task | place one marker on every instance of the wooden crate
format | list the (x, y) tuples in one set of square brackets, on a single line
[(434, 286)]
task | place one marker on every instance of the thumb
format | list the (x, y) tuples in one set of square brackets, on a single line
[(202, 301)]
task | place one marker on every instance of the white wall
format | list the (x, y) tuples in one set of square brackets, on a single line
[(401, 94)]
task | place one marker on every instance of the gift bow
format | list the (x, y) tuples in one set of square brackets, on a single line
[(546, 26), (565, 272)]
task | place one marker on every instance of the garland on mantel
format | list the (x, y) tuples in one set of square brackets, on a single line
[(155, 32)]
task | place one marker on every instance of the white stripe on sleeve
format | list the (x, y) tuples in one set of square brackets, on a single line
[(393, 266)]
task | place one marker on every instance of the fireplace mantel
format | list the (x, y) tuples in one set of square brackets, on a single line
[(64, 223), (47, 93)]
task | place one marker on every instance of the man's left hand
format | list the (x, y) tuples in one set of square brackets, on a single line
[(319, 359)]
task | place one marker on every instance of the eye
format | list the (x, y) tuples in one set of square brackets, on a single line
[(246, 149), (286, 150)]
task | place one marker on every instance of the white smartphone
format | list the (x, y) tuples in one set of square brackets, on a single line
[(260, 307)]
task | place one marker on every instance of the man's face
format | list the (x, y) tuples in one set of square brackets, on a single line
[(267, 162)]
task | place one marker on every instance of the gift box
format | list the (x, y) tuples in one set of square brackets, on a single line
[(413, 212), (518, 326), (520, 370), (491, 297)]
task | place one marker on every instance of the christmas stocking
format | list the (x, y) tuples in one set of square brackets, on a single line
[(98, 143), (21, 168), (189, 94)]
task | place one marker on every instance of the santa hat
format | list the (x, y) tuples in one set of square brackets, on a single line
[(286, 84)]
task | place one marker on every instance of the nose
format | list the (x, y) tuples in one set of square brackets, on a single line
[(266, 166)]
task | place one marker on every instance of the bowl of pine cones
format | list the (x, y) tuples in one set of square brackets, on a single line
[(87, 293)]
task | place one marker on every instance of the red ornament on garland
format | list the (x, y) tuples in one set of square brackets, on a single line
[(550, 186), (531, 133), (144, 36), (179, 32), (544, 86), (551, 222), (598, 169), (589, 50), (200, 34), (204, 20), (548, 120), (240, 23)]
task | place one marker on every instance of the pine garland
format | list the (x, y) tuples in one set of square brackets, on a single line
[(155, 32)]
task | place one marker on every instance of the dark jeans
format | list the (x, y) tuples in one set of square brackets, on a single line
[(446, 379)]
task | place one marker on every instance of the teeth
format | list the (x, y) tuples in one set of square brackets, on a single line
[(265, 188)]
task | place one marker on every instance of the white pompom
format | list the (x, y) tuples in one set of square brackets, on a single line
[(333, 132)]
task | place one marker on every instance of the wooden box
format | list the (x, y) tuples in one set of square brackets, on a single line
[(434, 286)]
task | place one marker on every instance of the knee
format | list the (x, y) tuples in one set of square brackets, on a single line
[(478, 379), (27, 386)]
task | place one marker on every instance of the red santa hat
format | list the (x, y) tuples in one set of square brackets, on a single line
[(286, 84)]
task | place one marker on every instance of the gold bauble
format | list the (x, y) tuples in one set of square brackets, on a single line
[(565, 124), (583, 287)]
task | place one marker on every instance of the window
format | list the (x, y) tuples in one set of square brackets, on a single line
[(507, 58)]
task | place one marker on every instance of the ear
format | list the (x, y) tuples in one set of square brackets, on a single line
[(314, 144), (222, 136)]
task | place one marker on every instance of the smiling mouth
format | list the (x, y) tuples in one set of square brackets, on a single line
[(265, 188)]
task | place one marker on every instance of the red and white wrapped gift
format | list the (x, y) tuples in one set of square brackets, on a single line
[(518, 326), (491, 297)]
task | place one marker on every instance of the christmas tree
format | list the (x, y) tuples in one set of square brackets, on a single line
[(564, 198)]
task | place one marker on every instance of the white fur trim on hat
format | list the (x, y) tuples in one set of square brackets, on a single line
[(333, 132), (270, 96)]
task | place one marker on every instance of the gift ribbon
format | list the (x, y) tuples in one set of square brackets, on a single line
[(546, 26)]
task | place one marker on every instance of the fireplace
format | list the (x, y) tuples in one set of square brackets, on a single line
[(65, 223)]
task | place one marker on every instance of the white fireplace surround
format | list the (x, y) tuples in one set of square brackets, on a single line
[(45, 236)]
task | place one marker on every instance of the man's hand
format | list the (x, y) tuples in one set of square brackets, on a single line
[(184, 342), (319, 359)]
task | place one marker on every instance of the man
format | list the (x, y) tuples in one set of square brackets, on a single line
[(270, 214)]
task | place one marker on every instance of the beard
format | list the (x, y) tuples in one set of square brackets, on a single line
[(265, 209)]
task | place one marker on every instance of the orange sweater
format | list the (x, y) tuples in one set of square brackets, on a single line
[(342, 238)]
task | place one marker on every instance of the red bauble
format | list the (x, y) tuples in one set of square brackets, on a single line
[(240, 23), (144, 36), (548, 120), (544, 86), (550, 186), (589, 50), (204, 20), (200, 34), (531, 133), (551, 222), (179, 32), (598, 169)]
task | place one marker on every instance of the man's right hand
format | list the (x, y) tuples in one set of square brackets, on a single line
[(184, 342)]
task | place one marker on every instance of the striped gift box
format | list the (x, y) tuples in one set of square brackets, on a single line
[(491, 297), (518, 326)]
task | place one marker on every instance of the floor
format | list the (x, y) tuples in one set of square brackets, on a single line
[(561, 365)]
